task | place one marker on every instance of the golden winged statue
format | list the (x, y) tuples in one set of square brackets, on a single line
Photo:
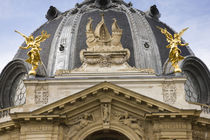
[(174, 42), (34, 54)]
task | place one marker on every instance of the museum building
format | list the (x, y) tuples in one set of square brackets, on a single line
[(108, 72)]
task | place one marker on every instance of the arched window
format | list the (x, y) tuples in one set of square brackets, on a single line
[(197, 86), (12, 89)]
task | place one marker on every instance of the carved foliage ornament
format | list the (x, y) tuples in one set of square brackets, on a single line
[(77, 124), (41, 94), (169, 93), (130, 121)]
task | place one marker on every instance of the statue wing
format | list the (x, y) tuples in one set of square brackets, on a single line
[(169, 37), (42, 37), (182, 32)]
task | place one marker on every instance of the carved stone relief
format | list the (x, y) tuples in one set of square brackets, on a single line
[(205, 109), (169, 93), (41, 94), (200, 135), (105, 113), (104, 49), (77, 124), (130, 121), (104, 61)]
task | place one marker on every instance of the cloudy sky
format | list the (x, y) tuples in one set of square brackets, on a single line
[(28, 15)]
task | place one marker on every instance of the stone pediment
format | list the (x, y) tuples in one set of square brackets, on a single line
[(106, 92), (117, 98), (104, 106)]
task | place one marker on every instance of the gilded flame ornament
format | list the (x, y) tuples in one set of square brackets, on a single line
[(174, 42), (34, 54)]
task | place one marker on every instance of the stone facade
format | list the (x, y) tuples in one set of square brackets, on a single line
[(79, 113), (118, 90)]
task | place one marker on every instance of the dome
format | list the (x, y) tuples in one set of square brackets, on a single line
[(68, 38), (140, 36)]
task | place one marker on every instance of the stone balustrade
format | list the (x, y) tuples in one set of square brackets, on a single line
[(5, 112), (205, 108)]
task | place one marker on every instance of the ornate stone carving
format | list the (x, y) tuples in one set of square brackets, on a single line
[(124, 68), (205, 109), (169, 93), (78, 124), (104, 59), (4, 112), (130, 121), (41, 94), (199, 135), (105, 113), (105, 52), (104, 49)]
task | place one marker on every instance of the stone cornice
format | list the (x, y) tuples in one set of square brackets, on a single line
[(7, 126), (182, 114), (105, 86), (28, 115)]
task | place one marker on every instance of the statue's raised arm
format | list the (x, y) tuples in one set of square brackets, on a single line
[(169, 37), (28, 39), (21, 34)]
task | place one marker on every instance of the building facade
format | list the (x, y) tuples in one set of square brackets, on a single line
[(105, 76)]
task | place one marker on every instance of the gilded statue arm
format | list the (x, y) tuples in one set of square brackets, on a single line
[(25, 48), (168, 46), (21, 34), (169, 37), (186, 44)]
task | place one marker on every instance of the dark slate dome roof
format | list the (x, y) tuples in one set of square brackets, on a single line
[(140, 35)]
